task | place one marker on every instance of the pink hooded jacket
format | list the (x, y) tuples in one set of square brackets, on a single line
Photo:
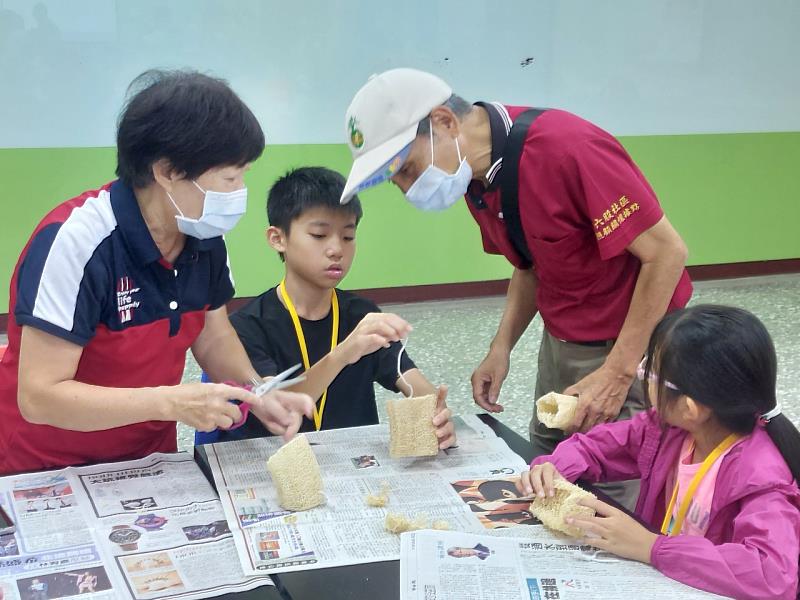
[(752, 545)]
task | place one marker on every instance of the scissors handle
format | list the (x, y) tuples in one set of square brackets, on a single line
[(259, 388), (244, 407)]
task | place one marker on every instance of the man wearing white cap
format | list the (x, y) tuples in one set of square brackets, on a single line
[(558, 197)]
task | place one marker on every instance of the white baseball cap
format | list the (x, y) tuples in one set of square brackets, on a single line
[(382, 121)]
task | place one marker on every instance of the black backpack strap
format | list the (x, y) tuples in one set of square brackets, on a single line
[(509, 181)]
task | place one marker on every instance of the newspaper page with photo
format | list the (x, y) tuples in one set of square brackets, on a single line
[(447, 565), (149, 528), (355, 464)]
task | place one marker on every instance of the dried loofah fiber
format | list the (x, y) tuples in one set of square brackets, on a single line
[(295, 472), (556, 410), (552, 511), (411, 430)]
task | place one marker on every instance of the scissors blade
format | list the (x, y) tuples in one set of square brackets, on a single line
[(284, 374), (277, 382), (280, 385)]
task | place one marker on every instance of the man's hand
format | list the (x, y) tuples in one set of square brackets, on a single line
[(374, 331), (601, 395), (488, 378), (614, 531), (445, 430)]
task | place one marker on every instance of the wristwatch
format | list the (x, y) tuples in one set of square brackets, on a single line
[(126, 536)]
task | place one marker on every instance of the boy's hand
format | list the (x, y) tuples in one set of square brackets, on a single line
[(375, 331), (445, 430), (614, 531), (539, 480)]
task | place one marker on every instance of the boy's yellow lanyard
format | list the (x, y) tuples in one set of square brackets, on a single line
[(687, 498), (301, 340)]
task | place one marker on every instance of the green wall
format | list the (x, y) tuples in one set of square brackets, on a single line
[(733, 197)]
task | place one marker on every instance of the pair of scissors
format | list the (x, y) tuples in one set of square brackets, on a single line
[(279, 382), (260, 388)]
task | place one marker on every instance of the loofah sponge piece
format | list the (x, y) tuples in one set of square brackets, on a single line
[(381, 498), (376, 500), (295, 472), (411, 430), (552, 511), (556, 410), (398, 522)]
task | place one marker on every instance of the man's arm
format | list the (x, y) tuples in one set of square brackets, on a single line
[(602, 393), (518, 313), (519, 310)]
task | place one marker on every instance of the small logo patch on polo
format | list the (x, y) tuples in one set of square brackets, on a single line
[(125, 300)]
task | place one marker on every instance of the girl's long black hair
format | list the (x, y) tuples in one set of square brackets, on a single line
[(723, 358)]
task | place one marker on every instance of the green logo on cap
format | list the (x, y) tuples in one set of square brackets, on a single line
[(356, 137)]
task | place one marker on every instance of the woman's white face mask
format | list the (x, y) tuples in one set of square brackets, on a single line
[(437, 190), (221, 213)]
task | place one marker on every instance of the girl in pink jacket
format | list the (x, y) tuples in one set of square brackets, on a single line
[(718, 462)]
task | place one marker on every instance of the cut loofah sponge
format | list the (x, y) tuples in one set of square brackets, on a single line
[(552, 511), (381, 498), (295, 472), (399, 523), (556, 410), (411, 430)]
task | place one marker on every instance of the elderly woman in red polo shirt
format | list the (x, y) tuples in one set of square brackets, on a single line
[(116, 284), (564, 203)]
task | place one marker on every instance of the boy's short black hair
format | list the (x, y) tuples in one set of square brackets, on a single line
[(306, 188), (194, 121)]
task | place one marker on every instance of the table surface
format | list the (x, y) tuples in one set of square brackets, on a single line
[(354, 582)]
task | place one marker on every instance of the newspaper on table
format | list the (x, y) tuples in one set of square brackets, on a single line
[(447, 565), (149, 528), (355, 463)]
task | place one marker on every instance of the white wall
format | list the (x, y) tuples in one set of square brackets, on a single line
[(633, 66)]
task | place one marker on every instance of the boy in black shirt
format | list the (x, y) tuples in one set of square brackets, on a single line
[(315, 237)]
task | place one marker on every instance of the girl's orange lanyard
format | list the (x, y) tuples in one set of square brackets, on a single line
[(301, 340), (687, 498)]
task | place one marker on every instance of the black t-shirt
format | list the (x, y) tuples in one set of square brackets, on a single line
[(265, 328)]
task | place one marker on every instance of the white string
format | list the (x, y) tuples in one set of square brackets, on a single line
[(430, 126), (403, 343)]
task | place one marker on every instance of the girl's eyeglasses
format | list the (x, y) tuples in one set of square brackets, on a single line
[(653, 378)]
